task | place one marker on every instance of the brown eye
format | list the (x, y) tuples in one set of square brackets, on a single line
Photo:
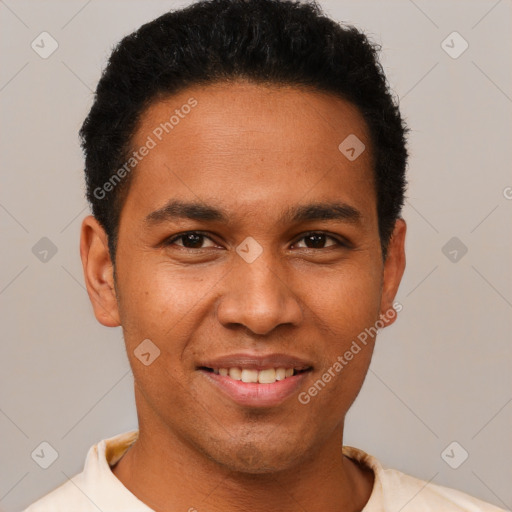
[(318, 241), (191, 240)]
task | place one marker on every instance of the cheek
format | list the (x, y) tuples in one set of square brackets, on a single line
[(160, 306), (158, 301), (345, 359), (348, 301), (346, 313), (166, 306)]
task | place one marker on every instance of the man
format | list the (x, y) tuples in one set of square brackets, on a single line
[(245, 163)]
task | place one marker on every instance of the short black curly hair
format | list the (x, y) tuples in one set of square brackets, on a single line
[(282, 42)]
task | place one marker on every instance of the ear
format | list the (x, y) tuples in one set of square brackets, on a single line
[(394, 267), (98, 272)]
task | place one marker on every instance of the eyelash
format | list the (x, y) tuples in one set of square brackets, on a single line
[(338, 242)]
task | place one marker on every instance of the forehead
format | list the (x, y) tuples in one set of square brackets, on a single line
[(263, 146)]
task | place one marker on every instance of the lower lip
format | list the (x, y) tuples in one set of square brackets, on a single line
[(252, 394)]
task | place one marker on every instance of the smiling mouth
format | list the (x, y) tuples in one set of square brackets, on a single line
[(259, 376)]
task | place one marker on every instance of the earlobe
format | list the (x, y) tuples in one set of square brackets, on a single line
[(98, 272), (394, 267)]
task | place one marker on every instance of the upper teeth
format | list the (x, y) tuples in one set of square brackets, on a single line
[(267, 376)]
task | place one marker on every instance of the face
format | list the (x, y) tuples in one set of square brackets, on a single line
[(248, 249)]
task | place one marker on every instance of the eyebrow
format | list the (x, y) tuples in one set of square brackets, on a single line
[(295, 214)]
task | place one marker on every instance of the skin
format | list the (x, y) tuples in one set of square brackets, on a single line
[(254, 151)]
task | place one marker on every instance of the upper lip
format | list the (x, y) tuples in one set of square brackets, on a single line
[(256, 361)]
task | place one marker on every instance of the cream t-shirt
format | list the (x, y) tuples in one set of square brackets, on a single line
[(98, 489)]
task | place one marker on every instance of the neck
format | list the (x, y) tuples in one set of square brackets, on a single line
[(166, 474)]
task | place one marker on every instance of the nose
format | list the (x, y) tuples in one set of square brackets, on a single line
[(258, 298)]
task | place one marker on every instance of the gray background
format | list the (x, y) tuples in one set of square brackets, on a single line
[(442, 373)]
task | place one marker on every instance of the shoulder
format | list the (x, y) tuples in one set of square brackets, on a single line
[(415, 494), (394, 490), (96, 487), (59, 499)]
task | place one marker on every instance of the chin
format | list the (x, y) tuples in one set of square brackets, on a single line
[(258, 458)]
